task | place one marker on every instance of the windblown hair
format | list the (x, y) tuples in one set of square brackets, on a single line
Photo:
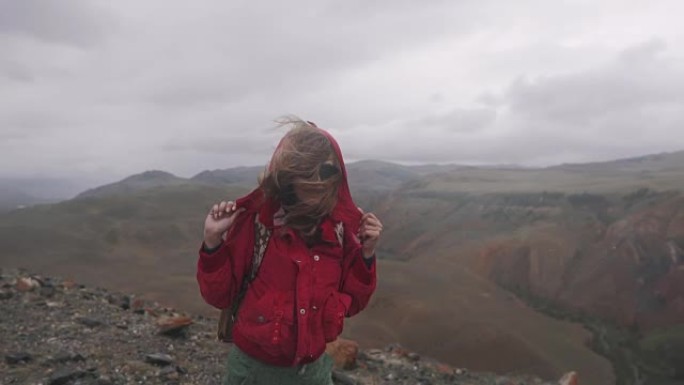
[(296, 165)]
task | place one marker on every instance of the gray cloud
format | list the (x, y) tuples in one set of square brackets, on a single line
[(460, 120), (114, 88), (636, 79), (76, 22), (629, 105)]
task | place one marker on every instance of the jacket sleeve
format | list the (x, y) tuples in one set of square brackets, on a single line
[(220, 272), (359, 278)]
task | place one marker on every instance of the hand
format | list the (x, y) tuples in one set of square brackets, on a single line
[(369, 233), (218, 221)]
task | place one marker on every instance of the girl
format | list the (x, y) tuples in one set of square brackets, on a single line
[(318, 265)]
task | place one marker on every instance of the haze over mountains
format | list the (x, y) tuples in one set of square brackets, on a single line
[(600, 239)]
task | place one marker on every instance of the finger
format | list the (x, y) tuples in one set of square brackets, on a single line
[(372, 234), (373, 221), (236, 212), (373, 227), (230, 206), (222, 206), (213, 211), (364, 217)]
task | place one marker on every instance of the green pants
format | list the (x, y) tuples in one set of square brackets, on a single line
[(245, 370)]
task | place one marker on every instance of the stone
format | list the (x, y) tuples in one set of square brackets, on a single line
[(173, 326), (168, 369), (5, 294), (25, 284), (400, 351), (135, 367), (104, 380), (18, 358), (122, 301), (137, 306), (159, 359), (569, 378), (47, 291), (64, 376), (89, 322), (67, 356), (344, 353), (444, 369), (343, 379)]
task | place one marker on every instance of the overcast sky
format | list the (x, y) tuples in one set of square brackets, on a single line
[(111, 88)]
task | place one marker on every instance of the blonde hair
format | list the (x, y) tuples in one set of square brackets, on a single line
[(296, 164)]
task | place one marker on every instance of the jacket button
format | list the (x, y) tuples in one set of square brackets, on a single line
[(261, 319), (314, 307), (317, 258), (302, 311)]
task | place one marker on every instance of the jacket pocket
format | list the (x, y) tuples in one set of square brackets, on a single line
[(333, 317), (266, 322)]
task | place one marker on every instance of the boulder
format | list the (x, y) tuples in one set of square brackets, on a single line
[(344, 353)]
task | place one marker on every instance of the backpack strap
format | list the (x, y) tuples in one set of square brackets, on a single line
[(261, 237), (339, 232), (228, 316)]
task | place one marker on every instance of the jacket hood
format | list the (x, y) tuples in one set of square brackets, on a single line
[(345, 210)]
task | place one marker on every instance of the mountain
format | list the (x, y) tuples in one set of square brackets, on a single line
[(378, 175), (648, 163), (599, 244), (27, 191), (237, 175), (11, 199), (135, 183), (461, 247)]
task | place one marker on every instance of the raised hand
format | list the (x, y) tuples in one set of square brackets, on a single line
[(219, 220), (369, 233)]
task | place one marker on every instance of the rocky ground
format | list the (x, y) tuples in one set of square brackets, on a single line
[(57, 332)]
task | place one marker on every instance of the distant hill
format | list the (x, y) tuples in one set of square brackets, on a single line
[(648, 163), (135, 183), (27, 191), (375, 175), (658, 172), (236, 175), (11, 199)]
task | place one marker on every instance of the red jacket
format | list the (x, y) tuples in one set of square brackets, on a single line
[(300, 296)]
